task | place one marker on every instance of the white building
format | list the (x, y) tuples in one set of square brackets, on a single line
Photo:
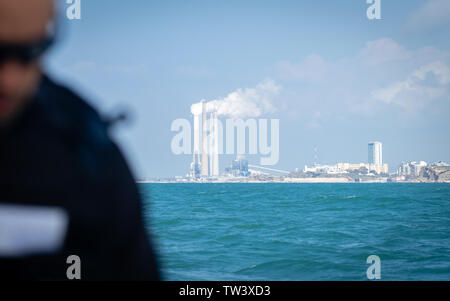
[(347, 167), (375, 164), (440, 163), (377, 168), (318, 168), (375, 153), (411, 168)]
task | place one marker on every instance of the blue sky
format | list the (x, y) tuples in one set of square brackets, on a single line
[(345, 80)]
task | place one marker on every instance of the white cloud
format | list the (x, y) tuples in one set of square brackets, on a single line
[(384, 77), (433, 14), (382, 51), (244, 103), (412, 93), (438, 68), (429, 54)]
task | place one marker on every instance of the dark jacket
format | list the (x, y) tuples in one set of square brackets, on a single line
[(59, 153)]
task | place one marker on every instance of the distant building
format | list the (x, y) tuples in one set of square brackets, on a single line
[(195, 170), (318, 168), (206, 143), (377, 168), (441, 164), (375, 164), (347, 167), (411, 169), (238, 168), (375, 153)]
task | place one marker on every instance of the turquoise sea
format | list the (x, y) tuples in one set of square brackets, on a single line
[(278, 231)]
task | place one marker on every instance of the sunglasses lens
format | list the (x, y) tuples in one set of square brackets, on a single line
[(25, 53)]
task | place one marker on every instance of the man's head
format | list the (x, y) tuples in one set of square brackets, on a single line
[(24, 28)]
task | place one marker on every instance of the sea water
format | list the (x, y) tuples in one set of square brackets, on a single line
[(281, 231)]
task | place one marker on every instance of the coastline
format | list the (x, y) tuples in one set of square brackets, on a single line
[(300, 181)]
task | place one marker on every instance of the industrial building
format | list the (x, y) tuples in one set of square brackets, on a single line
[(238, 168), (205, 161)]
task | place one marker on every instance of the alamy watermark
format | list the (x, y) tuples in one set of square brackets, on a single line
[(374, 10), (374, 270), (74, 270), (241, 137), (73, 11)]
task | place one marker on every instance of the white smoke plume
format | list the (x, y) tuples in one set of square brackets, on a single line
[(243, 103)]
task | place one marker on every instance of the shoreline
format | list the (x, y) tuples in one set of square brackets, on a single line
[(286, 182)]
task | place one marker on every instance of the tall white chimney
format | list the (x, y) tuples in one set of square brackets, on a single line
[(216, 146), (204, 142), (196, 134), (211, 144)]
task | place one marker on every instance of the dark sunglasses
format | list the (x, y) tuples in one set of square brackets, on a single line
[(24, 52)]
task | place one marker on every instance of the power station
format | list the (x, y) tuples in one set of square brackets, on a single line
[(205, 161)]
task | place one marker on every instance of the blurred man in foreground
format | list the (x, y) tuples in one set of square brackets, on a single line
[(65, 188)]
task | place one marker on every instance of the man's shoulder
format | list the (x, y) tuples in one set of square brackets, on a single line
[(79, 126), (67, 112)]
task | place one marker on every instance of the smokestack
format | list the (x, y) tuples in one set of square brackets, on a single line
[(211, 144), (196, 133), (216, 146), (204, 142)]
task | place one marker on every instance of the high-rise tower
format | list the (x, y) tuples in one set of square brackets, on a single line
[(375, 153)]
